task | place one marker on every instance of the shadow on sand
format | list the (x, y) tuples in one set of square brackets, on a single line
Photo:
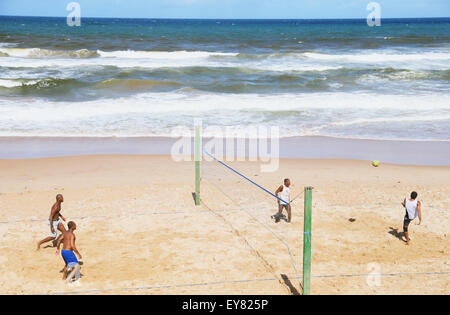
[(289, 284), (396, 233)]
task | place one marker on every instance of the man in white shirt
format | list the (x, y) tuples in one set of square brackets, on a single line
[(283, 192), (413, 210)]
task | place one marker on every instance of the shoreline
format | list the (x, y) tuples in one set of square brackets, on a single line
[(404, 152)]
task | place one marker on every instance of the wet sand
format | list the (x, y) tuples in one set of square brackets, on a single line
[(435, 153)]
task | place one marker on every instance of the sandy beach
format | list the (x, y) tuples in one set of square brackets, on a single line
[(140, 232)]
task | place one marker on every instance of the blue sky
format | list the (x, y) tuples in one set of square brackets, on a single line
[(302, 9)]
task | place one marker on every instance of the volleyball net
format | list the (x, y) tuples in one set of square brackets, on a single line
[(244, 198)]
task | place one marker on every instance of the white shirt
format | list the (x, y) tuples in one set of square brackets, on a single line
[(411, 208), (285, 195)]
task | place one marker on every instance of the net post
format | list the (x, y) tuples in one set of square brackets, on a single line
[(197, 164), (307, 241)]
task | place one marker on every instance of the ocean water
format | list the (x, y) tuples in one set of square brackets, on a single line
[(146, 77)]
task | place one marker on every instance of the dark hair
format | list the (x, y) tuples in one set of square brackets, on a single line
[(413, 195), (70, 224), (285, 180)]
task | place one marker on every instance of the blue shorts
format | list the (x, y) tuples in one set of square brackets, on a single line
[(69, 258)]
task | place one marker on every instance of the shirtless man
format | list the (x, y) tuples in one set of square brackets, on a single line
[(54, 221), (413, 209), (71, 263), (283, 192)]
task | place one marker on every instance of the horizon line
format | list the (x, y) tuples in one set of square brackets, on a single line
[(198, 18)]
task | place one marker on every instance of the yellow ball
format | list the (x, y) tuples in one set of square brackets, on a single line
[(375, 163)]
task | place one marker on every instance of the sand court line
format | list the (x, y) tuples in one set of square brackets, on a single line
[(156, 287), (121, 215)]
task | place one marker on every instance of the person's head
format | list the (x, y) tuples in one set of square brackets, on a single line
[(72, 226), (59, 198), (287, 182), (413, 195)]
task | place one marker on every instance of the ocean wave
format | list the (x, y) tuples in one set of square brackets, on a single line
[(364, 56), (133, 84), (124, 54), (278, 62), (384, 120), (359, 56), (8, 45), (368, 57), (156, 113), (286, 62), (90, 83), (30, 85), (399, 75), (45, 53), (6, 83), (165, 55), (149, 63)]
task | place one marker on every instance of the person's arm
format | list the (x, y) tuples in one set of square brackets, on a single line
[(74, 248), (419, 211), (404, 202), (50, 219), (64, 219), (59, 243)]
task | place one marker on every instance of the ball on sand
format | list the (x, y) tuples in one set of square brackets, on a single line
[(376, 163)]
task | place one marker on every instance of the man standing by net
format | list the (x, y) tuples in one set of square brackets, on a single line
[(283, 193)]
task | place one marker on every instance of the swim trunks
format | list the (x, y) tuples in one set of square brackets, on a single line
[(69, 258), (55, 227), (406, 222)]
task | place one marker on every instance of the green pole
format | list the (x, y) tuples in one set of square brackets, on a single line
[(197, 165), (307, 241)]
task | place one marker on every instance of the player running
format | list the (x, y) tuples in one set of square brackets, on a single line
[(54, 221)]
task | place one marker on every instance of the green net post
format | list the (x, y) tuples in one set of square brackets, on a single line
[(307, 241), (197, 165)]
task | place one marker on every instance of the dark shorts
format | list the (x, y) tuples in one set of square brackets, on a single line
[(406, 222)]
